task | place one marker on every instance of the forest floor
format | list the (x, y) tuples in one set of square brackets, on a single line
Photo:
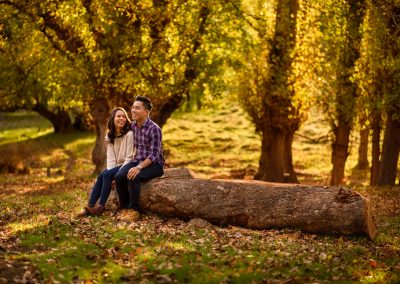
[(41, 240)]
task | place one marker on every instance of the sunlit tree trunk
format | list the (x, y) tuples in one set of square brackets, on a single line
[(376, 148), (340, 148), (390, 152), (362, 162)]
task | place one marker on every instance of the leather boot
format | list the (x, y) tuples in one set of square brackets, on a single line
[(97, 210)]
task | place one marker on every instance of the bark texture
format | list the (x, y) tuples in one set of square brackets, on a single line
[(259, 205), (390, 152)]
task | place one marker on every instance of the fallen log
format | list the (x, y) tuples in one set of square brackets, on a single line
[(259, 205)]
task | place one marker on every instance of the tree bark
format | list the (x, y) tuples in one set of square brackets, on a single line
[(259, 205), (390, 152), (59, 118), (376, 148), (164, 107), (362, 162), (272, 163), (100, 111), (340, 148), (276, 120), (345, 103), (290, 174)]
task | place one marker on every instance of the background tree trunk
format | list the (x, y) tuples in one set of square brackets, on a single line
[(272, 163), (362, 162), (259, 205), (288, 158), (376, 149), (390, 152), (59, 118), (340, 148), (100, 111), (275, 153)]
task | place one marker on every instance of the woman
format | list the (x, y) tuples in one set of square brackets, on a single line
[(119, 153)]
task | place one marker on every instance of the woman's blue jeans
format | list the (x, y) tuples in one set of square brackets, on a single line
[(102, 188)]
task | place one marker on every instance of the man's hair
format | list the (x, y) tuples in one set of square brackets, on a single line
[(146, 102)]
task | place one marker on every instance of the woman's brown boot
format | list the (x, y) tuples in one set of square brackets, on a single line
[(97, 210)]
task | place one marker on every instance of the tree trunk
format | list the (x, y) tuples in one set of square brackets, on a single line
[(272, 165), (390, 152), (362, 162), (59, 118), (100, 111), (376, 149), (163, 108), (290, 174), (259, 205), (340, 149)]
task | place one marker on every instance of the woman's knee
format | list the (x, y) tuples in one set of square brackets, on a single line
[(119, 176), (109, 174)]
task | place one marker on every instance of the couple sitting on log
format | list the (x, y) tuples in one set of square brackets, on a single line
[(134, 155)]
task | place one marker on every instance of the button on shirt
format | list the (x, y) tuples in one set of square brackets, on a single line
[(148, 142)]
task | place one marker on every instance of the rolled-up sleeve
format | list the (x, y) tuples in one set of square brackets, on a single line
[(155, 144)]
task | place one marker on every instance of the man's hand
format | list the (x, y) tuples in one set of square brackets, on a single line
[(133, 172)]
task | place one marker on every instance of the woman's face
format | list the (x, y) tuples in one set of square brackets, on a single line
[(119, 119)]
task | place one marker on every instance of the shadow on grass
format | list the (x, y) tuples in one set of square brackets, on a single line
[(49, 150)]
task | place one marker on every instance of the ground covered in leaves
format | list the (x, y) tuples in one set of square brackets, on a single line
[(42, 241)]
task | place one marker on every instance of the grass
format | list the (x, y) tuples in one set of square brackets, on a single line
[(42, 241)]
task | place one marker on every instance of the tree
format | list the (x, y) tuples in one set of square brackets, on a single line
[(341, 40), (377, 76), (391, 90), (32, 75), (269, 95), (123, 49)]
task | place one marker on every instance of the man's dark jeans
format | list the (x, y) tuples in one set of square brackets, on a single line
[(102, 188), (129, 190)]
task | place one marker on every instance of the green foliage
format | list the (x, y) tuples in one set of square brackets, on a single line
[(378, 68)]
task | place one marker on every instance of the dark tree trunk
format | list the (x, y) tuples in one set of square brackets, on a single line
[(376, 149), (340, 148), (272, 165), (276, 152), (84, 122), (100, 111), (362, 162), (346, 103), (390, 152), (59, 118), (163, 109), (290, 174)]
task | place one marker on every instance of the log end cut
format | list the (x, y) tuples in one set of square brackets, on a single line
[(371, 229)]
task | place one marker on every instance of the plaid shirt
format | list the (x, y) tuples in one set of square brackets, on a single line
[(148, 141)]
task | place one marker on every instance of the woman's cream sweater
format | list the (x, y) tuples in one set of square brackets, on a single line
[(121, 152)]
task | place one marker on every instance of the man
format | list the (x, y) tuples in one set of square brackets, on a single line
[(148, 162)]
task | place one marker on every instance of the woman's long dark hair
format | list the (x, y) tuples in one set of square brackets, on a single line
[(111, 127)]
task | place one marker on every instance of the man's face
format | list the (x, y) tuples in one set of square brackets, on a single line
[(139, 113)]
